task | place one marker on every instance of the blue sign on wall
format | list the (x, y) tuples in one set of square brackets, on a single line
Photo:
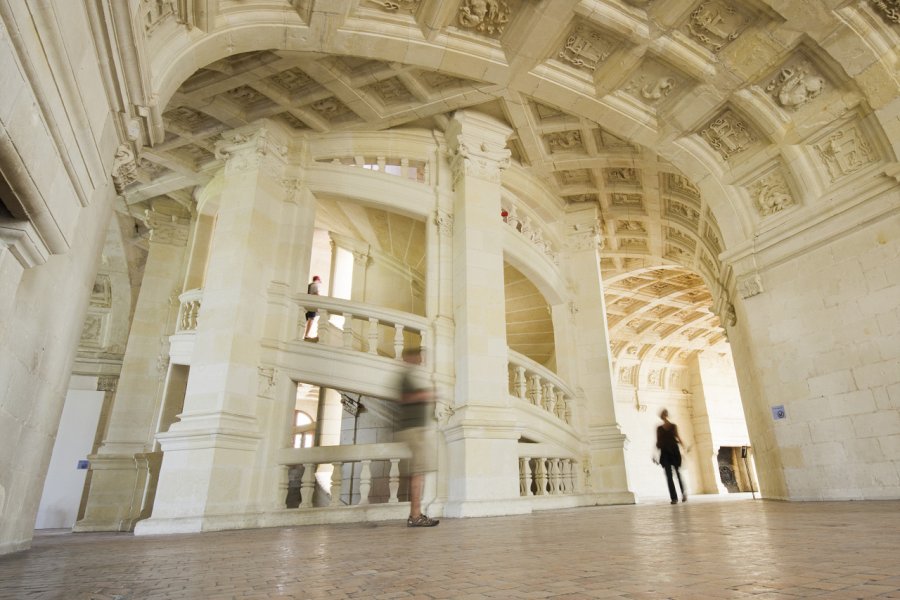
[(83, 464), (778, 412)]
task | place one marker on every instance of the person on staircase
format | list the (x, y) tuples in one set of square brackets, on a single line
[(311, 315)]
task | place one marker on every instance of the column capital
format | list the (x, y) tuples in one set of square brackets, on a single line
[(247, 148), (477, 146)]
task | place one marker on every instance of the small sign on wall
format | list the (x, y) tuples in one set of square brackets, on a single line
[(83, 465), (778, 412)]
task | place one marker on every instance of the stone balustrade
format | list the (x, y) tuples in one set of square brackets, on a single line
[(381, 459), (408, 168), (539, 386), (362, 327), (540, 476), (188, 310), (530, 230)]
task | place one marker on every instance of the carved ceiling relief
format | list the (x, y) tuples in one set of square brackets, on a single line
[(682, 211), (796, 85), (575, 177), (622, 175), (673, 182), (394, 6), (651, 83), (292, 80), (728, 134), (888, 9), (626, 201), (155, 12), (771, 194), (585, 48), (391, 91), (845, 151), (564, 141), (484, 16), (715, 24)]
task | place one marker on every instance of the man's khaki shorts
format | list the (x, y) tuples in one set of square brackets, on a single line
[(422, 442)]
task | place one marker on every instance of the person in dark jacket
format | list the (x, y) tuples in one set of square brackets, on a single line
[(667, 441)]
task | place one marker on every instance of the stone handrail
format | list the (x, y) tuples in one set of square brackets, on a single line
[(364, 454), (539, 386), (372, 317), (188, 310)]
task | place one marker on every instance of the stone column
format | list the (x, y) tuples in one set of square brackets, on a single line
[(481, 437), (591, 366), (211, 457), (121, 468)]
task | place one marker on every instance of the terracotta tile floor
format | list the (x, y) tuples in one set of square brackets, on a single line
[(739, 549)]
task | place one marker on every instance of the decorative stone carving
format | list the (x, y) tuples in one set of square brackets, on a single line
[(795, 86), (409, 6), (575, 177), (750, 286), (622, 175), (728, 134), (291, 80), (564, 141), (620, 200), (715, 24), (101, 292), (245, 152), (266, 382), (681, 185), (683, 211), (484, 16), (166, 229), (362, 259), (444, 223), (155, 12), (585, 48), (245, 95), (771, 194), (889, 9), (635, 226), (650, 88), (92, 330), (124, 169), (391, 90), (484, 161), (329, 108), (845, 152), (584, 237), (107, 383)]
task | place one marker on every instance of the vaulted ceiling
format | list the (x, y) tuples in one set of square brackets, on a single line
[(756, 105)]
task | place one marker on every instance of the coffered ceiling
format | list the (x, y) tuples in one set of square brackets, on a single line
[(751, 99)]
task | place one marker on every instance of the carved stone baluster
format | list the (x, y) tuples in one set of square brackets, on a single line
[(398, 341), (284, 482), (521, 383), (373, 335), (307, 485), (550, 398), (365, 481), (423, 342), (524, 476), (337, 480), (566, 406), (541, 477), (570, 476), (381, 161), (348, 331), (553, 473), (394, 480), (536, 389)]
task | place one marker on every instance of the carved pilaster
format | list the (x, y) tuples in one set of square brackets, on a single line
[(584, 237), (478, 147)]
